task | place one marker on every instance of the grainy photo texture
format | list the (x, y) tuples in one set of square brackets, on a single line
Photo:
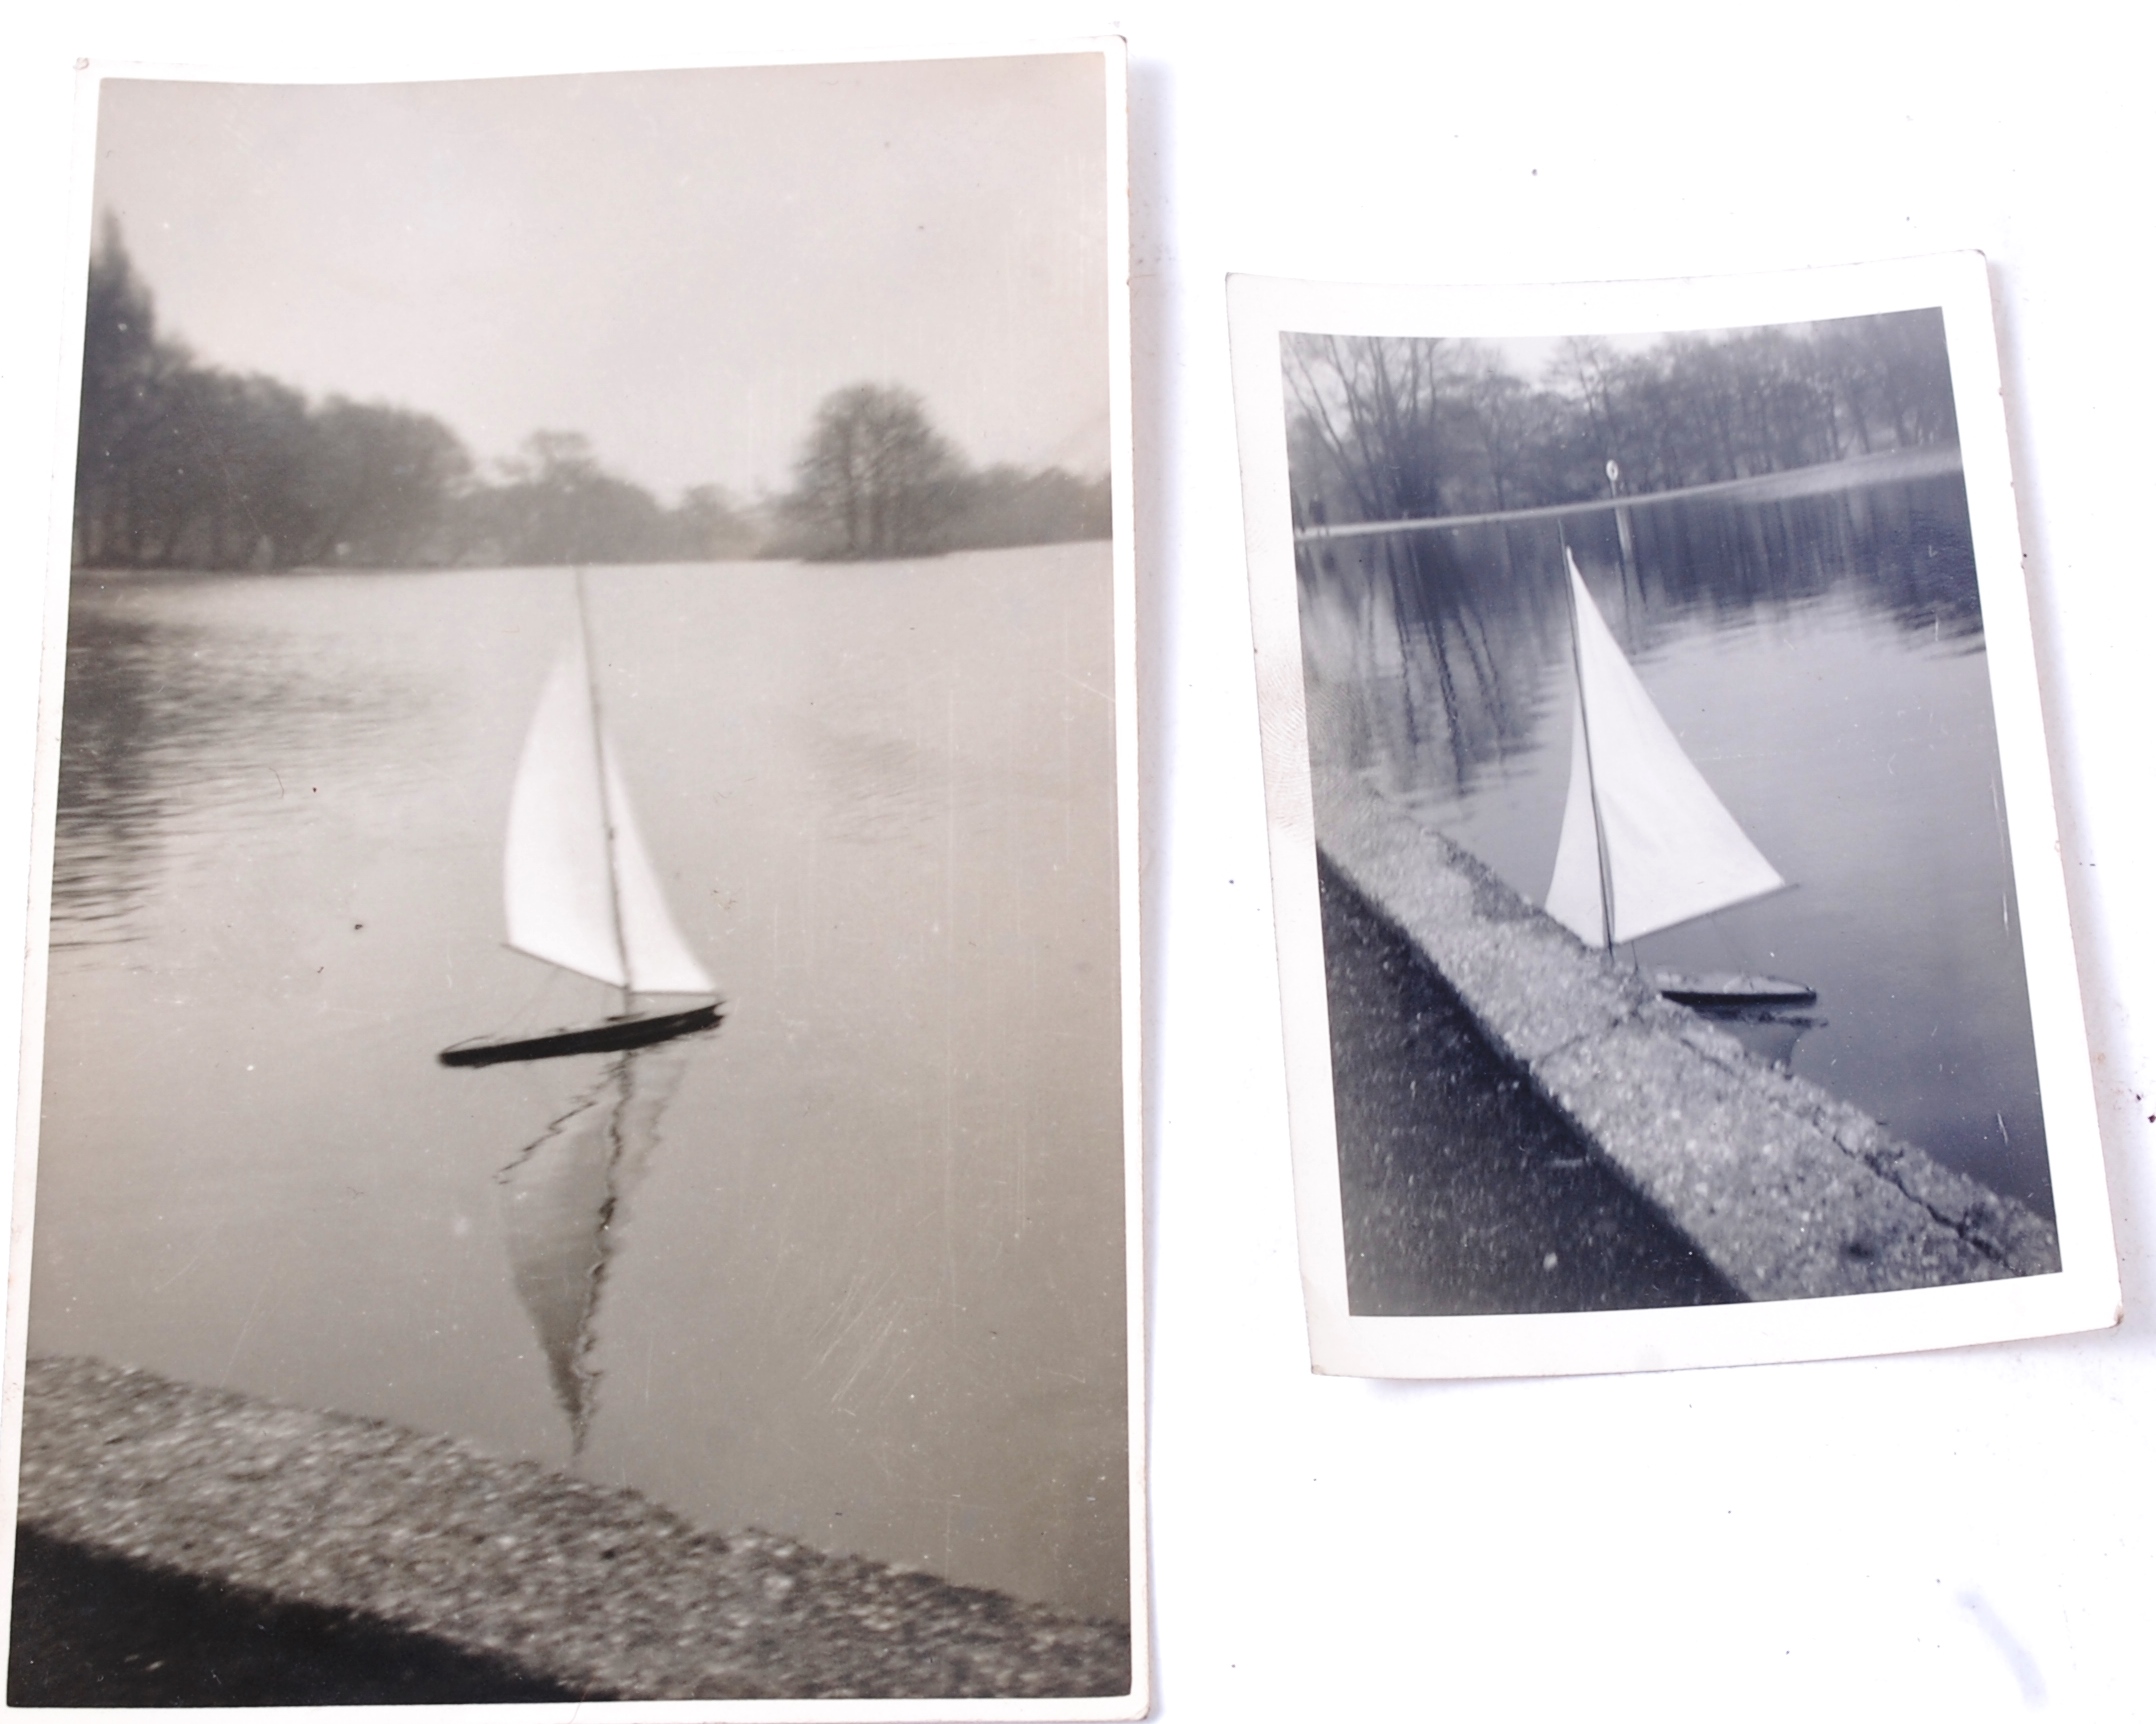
[(1672, 950), (585, 1140)]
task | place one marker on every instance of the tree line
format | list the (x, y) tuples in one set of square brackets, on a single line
[(184, 465), (1403, 428)]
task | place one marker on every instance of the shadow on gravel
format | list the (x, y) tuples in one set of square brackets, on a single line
[(100, 1631), (1462, 1190)]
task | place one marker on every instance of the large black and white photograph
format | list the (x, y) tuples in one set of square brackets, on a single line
[(587, 1131), (1667, 858)]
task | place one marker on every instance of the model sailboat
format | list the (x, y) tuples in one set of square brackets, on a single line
[(579, 887), (1646, 844)]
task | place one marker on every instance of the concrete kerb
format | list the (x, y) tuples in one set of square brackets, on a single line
[(601, 1590), (1789, 1192)]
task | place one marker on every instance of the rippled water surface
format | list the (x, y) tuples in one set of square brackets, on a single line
[(1822, 661), (849, 1268)]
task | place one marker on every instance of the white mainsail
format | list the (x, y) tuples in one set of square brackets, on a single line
[(1639, 818), (577, 883)]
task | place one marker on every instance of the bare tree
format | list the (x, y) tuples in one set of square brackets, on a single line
[(875, 478)]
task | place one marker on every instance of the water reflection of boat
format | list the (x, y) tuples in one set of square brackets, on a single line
[(1646, 844), (560, 1204), (579, 887)]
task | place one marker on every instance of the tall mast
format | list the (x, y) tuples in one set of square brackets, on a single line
[(1594, 800), (606, 790)]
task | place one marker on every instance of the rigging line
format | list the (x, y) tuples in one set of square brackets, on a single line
[(606, 793), (1587, 750)]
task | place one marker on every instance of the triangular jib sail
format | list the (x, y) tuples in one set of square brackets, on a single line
[(577, 883), (1646, 843)]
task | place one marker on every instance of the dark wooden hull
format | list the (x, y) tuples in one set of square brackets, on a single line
[(614, 1035), (1733, 993)]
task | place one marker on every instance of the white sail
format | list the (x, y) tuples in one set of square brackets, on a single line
[(1672, 850), (659, 959), (554, 862), (577, 883)]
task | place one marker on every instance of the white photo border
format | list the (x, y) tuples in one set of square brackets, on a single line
[(2084, 1294)]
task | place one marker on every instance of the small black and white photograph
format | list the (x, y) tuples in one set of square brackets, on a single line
[(586, 1128), (1674, 953)]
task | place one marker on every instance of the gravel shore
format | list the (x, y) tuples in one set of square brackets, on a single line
[(483, 1570)]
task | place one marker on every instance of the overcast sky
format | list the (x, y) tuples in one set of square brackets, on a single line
[(1530, 356), (677, 264)]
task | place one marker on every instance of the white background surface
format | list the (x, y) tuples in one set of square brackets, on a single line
[(1964, 1535)]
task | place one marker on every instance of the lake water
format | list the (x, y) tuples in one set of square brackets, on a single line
[(850, 1268), (1822, 661)]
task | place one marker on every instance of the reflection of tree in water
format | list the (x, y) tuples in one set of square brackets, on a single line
[(165, 721), (561, 1204), (1903, 550), (1437, 648), (105, 829), (1428, 644)]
